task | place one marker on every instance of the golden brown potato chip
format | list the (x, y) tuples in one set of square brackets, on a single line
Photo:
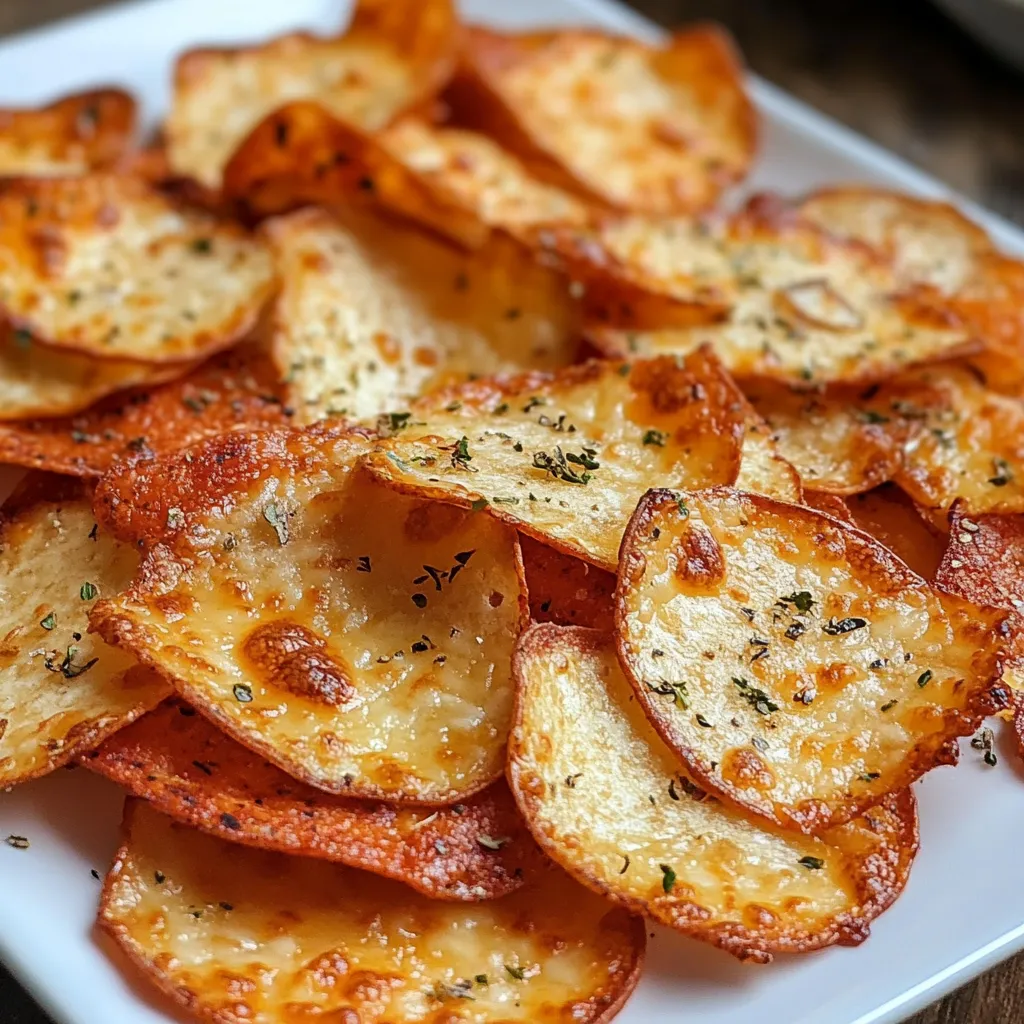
[(928, 241), (186, 768), (566, 590), (566, 456), (795, 665), (841, 441), (357, 639), (606, 799), (964, 442), (654, 129), (893, 519), (236, 934), (73, 135), (37, 381), (395, 56), (763, 470), (984, 562), (811, 308), (830, 504), (932, 242), (370, 315), (108, 266), (232, 390), (62, 690)]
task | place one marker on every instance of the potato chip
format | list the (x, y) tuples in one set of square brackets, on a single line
[(36, 381), (236, 934), (62, 690), (357, 639), (606, 799), (795, 665), (108, 266), (186, 768), (232, 390), (395, 56), (841, 441), (927, 241), (811, 308), (566, 590), (984, 562), (659, 130), (831, 505), (965, 442), (934, 243), (73, 135), (763, 470), (893, 519), (371, 315), (566, 456)]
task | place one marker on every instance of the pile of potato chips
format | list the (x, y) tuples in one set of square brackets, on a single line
[(439, 494)]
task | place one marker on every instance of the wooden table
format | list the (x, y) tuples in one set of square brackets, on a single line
[(897, 72)]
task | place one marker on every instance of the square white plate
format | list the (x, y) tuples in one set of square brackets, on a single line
[(961, 912)]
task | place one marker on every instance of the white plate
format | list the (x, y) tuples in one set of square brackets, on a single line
[(961, 912)]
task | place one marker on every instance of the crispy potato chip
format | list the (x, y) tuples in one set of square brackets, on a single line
[(396, 56), (232, 390), (831, 505), (356, 639), (606, 799), (841, 441), (934, 243), (763, 470), (893, 519), (36, 381), (566, 456), (660, 130), (793, 663), (984, 562), (73, 135), (964, 442), (108, 266), (371, 315), (811, 308), (927, 241), (61, 690), (188, 769), (566, 590), (235, 934)]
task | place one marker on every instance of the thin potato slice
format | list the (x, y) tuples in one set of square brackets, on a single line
[(635, 127), (233, 390), (928, 242), (73, 135), (62, 690), (606, 799), (36, 381), (566, 456), (831, 505), (811, 308), (358, 640), (108, 266), (396, 56), (889, 515), (841, 441), (795, 665), (235, 934), (965, 443), (186, 768), (565, 589), (763, 470), (984, 562), (371, 315)]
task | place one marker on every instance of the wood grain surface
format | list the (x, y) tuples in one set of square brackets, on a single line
[(900, 73)]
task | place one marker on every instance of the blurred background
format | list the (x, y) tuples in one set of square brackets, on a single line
[(905, 74)]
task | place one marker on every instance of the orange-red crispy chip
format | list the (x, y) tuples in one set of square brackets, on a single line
[(657, 129), (234, 390), (566, 590), (796, 666), (186, 768), (73, 135), (237, 934), (395, 57)]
